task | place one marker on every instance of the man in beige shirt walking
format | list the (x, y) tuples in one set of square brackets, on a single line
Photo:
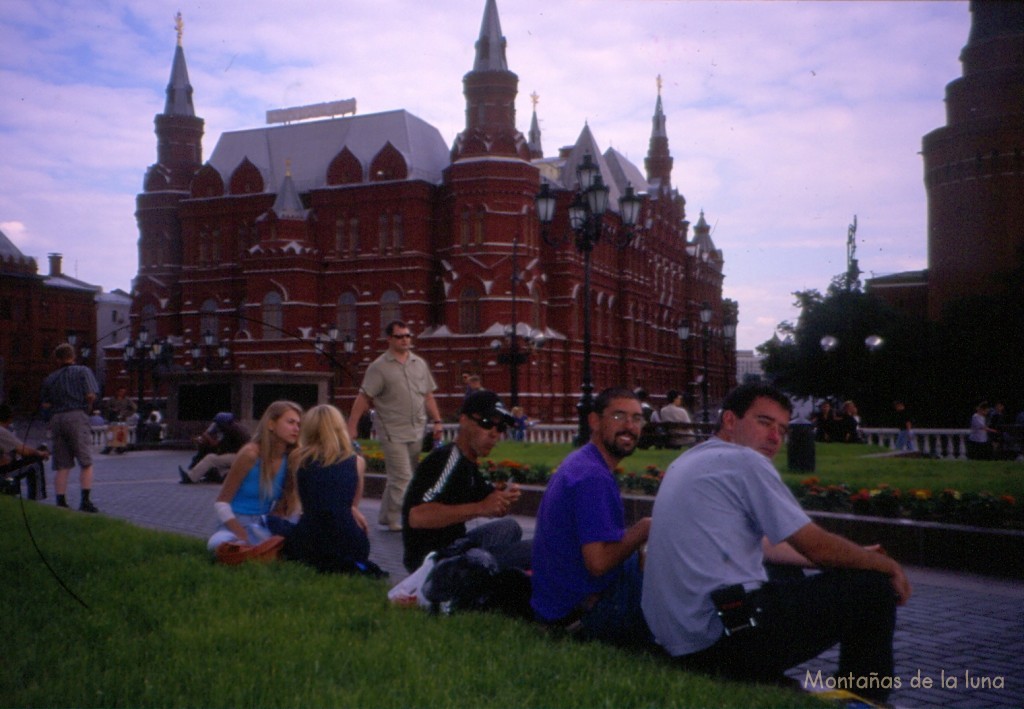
[(400, 388)]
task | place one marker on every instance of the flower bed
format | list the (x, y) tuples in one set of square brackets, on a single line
[(976, 509)]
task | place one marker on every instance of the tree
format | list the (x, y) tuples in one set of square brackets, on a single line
[(872, 372)]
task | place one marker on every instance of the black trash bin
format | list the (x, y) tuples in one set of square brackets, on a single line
[(801, 446)]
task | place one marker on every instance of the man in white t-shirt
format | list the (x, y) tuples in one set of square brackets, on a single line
[(722, 510)]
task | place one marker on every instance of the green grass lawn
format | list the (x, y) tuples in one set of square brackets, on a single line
[(166, 627), (856, 465)]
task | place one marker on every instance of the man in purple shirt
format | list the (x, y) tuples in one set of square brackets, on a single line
[(586, 565)]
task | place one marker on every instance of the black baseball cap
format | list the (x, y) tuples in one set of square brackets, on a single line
[(485, 406)]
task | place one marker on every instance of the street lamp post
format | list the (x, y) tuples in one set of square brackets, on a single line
[(729, 342), (139, 355), (81, 354), (208, 346), (705, 320), (683, 331), (329, 346), (586, 218), (830, 344), (517, 355)]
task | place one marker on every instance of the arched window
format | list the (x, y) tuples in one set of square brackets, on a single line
[(396, 232), (382, 232), (148, 320), (478, 228), (469, 311), (272, 324), (390, 308), (353, 235), (347, 316), (339, 235), (464, 228), (208, 318)]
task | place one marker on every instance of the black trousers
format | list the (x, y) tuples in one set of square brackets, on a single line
[(802, 618), (31, 468)]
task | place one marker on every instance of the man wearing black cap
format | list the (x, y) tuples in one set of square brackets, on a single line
[(447, 490)]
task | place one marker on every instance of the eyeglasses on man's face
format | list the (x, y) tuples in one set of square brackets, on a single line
[(487, 424), (623, 417), (402, 336)]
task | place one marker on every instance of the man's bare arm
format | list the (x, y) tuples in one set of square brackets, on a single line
[(602, 557), (823, 548)]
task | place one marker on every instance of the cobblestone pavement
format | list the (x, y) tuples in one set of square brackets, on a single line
[(959, 642)]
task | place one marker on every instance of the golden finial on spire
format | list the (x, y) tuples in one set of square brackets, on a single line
[(179, 25), (287, 167), (658, 80), (535, 98)]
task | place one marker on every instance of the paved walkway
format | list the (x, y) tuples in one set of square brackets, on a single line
[(962, 633)]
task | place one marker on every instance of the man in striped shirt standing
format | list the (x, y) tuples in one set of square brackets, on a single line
[(68, 394)]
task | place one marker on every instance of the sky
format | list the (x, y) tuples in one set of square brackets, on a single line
[(785, 119)]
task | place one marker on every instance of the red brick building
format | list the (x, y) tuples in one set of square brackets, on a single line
[(37, 313), (973, 172), (351, 222)]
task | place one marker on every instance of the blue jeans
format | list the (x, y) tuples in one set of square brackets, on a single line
[(904, 440), (616, 617), (503, 538)]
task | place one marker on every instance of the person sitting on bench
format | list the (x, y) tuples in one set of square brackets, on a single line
[(18, 460)]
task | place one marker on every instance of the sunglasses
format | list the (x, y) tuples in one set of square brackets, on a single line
[(403, 336), (487, 424)]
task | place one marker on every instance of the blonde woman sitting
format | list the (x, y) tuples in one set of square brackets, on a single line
[(258, 484), (331, 535)]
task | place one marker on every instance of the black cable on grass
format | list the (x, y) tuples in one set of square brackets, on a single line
[(237, 315), (42, 558)]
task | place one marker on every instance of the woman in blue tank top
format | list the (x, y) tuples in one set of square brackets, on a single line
[(331, 534), (258, 483)]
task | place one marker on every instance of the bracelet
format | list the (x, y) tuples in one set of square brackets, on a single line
[(438, 423)]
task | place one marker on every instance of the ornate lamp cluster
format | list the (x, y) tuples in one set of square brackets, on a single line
[(208, 347), (586, 219), (706, 313), (327, 344), (140, 355)]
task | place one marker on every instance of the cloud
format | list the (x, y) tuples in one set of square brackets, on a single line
[(784, 119)]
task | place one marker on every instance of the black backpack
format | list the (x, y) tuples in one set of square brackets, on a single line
[(469, 579)]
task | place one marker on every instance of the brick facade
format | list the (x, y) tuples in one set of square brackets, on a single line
[(357, 220)]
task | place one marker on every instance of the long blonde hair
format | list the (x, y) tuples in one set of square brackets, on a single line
[(323, 437), (264, 441)]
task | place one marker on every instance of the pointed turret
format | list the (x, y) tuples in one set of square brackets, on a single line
[(179, 90), (536, 151), (490, 90), (179, 155), (490, 47), (179, 132), (702, 240), (659, 160)]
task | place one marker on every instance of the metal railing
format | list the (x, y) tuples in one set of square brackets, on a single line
[(101, 434), (950, 443)]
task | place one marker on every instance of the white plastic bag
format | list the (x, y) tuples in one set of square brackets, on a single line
[(407, 591)]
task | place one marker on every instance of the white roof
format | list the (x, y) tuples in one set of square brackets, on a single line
[(309, 147)]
